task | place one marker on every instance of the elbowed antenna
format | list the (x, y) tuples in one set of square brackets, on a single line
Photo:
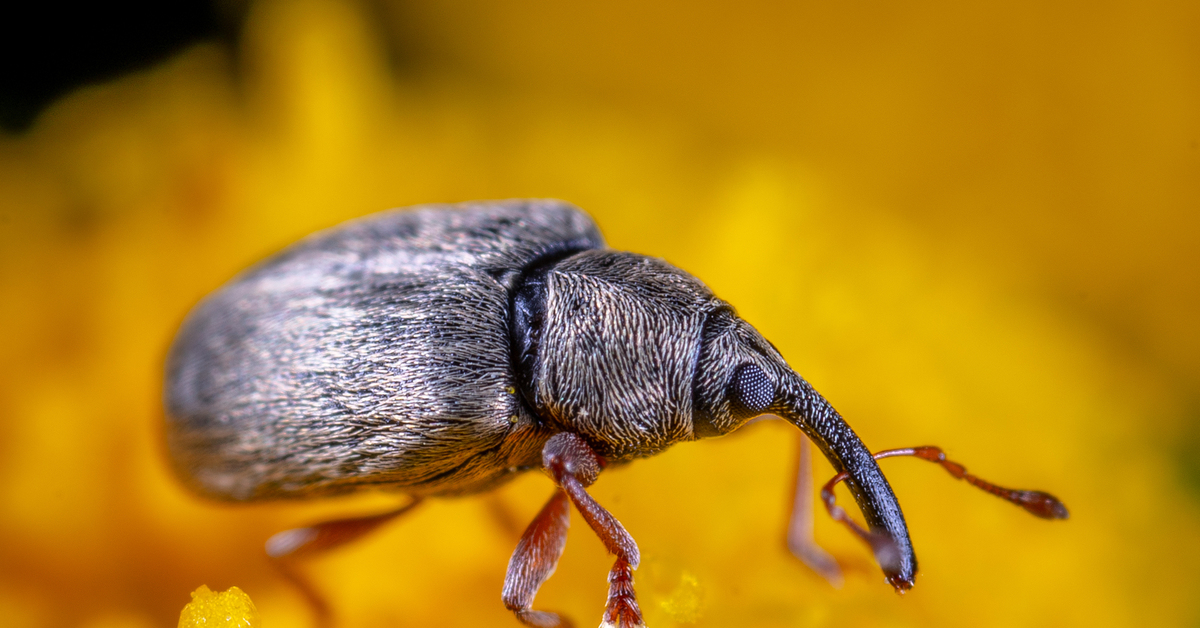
[(888, 534)]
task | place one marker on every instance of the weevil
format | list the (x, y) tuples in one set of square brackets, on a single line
[(439, 351)]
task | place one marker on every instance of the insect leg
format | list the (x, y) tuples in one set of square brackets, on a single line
[(574, 466), (1038, 503), (800, 527), (285, 547), (534, 560), (328, 534)]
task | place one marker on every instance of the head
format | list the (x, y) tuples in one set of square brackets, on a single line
[(740, 375), (634, 355)]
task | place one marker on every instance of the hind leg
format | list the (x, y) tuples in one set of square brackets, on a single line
[(286, 547)]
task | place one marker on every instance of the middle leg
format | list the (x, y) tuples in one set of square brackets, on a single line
[(800, 538)]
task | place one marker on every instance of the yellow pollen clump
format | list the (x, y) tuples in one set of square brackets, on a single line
[(228, 608)]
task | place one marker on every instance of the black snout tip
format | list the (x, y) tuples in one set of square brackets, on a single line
[(900, 583), (898, 572)]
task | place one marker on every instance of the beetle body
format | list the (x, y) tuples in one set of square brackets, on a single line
[(440, 350)]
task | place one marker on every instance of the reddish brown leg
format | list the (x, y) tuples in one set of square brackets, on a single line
[(534, 560), (287, 546), (800, 528), (1038, 503), (574, 466), (882, 545)]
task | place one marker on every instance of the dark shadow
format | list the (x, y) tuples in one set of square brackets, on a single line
[(50, 48)]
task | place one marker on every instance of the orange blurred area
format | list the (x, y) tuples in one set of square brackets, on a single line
[(975, 226)]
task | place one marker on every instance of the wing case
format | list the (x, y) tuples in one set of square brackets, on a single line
[(373, 353)]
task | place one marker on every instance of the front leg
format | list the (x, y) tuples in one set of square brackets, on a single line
[(534, 560), (574, 466)]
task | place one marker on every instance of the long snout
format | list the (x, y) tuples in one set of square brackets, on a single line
[(809, 411)]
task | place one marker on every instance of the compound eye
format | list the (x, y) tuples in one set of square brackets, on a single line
[(751, 391)]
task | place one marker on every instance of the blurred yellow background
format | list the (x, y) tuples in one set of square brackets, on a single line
[(970, 225)]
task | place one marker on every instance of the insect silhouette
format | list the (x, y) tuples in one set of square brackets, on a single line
[(440, 351)]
